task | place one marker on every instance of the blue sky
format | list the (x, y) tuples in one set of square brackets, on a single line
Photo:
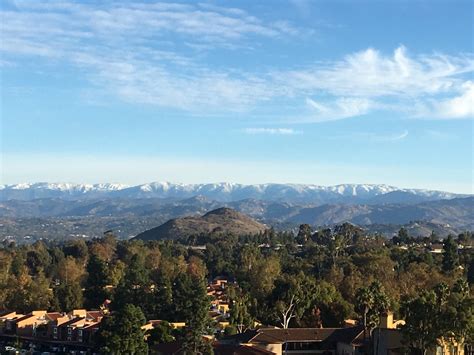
[(322, 92)]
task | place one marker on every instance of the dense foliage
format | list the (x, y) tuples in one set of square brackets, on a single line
[(306, 280)]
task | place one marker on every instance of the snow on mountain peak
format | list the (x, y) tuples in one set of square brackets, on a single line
[(224, 191)]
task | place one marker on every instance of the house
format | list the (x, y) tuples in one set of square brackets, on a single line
[(387, 339), (26, 326), (80, 322), (436, 248), (176, 348), (7, 321), (77, 326), (221, 349), (217, 290), (340, 341)]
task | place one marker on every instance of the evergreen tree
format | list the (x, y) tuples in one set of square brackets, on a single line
[(162, 299), (197, 318), (161, 333), (403, 236), (95, 292), (134, 286), (450, 254), (304, 233), (68, 296), (120, 333)]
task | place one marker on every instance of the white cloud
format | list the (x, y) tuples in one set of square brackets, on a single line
[(338, 109), (135, 51), (370, 74), (272, 131), (458, 107), (388, 138)]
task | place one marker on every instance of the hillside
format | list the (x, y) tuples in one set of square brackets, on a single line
[(222, 220), (58, 219)]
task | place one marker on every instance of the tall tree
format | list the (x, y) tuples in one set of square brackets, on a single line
[(450, 254), (120, 333), (240, 315), (68, 296), (421, 329), (162, 299), (304, 233), (134, 287), (95, 292), (197, 318), (371, 301)]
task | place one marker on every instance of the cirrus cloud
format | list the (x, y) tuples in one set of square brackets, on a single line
[(272, 131), (151, 53)]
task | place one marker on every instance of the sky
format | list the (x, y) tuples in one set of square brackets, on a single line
[(298, 91)]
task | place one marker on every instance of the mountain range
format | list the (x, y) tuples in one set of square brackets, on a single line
[(61, 210), (226, 192)]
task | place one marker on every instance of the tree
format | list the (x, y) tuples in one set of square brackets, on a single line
[(121, 333), (161, 333), (240, 315), (420, 330), (264, 274), (440, 313), (371, 301), (365, 302), (287, 311), (197, 317), (134, 286), (38, 258), (403, 236), (450, 254), (27, 294), (78, 249), (162, 299), (68, 296), (95, 292), (304, 233), (69, 270), (105, 247)]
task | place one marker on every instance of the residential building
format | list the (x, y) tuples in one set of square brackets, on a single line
[(296, 341)]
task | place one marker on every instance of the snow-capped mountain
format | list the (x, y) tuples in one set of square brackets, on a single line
[(291, 193)]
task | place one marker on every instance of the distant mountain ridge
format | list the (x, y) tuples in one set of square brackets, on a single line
[(227, 192), (45, 218)]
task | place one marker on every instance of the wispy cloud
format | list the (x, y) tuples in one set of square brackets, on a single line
[(392, 137), (369, 73), (373, 137), (134, 50), (272, 131), (152, 53), (339, 108), (366, 81)]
